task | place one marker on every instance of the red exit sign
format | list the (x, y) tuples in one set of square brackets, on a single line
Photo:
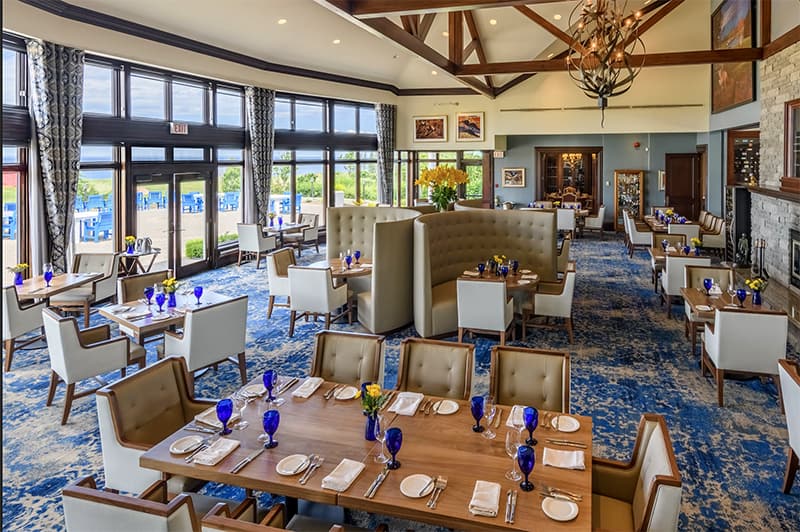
[(178, 128)]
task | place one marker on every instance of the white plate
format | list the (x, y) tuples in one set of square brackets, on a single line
[(121, 308), (559, 509), (446, 407), (566, 423), (254, 390), (412, 484), (294, 464), (355, 270), (524, 271), (703, 308), (185, 445), (160, 317), (348, 392), (524, 281)]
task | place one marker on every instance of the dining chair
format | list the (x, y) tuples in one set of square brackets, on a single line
[(278, 263), (138, 412), (714, 237), (220, 517), (436, 367), (569, 196), (484, 306), (348, 358), (562, 259), (307, 236), (701, 219), (552, 300), (131, 288), (77, 355), (673, 278), (81, 298), (531, 377), (657, 265), (688, 229), (595, 223), (639, 235), (789, 372), (253, 242), (731, 343), (18, 319), (311, 293), (211, 334), (693, 278), (643, 494), (565, 220)]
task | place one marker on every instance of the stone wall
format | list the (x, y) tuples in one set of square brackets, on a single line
[(771, 219)]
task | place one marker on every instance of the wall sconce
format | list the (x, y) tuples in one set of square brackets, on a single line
[(637, 144)]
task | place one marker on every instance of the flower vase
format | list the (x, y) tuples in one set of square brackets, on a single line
[(171, 301), (756, 297), (129, 251), (697, 252), (18, 278), (272, 222), (371, 427)]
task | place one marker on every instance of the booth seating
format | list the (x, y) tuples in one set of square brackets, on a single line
[(468, 204)]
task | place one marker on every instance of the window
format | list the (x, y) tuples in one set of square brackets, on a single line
[(147, 97), (98, 89), (13, 171), (283, 114), (230, 155), (97, 154), (188, 102), (402, 165), (93, 229), (310, 116), (11, 78), (139, 153), (366, 120), (355, 181), (344, 118), (188, 154), (229, 108), (229, 200)]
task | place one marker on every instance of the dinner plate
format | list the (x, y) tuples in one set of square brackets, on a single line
[(348, 392), (412, 484), (524, 281), (559, 509), (524, 271), (254, 390), (356, 270), (703, 308), (566, 423), (446, 407), (160, 317), (120, 308), (293, 464), (186, 444)]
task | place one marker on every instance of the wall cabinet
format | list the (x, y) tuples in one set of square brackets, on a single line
[(628, 194)]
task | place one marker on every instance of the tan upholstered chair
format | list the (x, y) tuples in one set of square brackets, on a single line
[(136, 413), (348, 358), (311, 293), (673, 277), (278, 263), (595, 223), (639, 235), (131, 288), (657, 266), (714, 239), (531, 377), (434, 367), (689, 229), (308, 236), (693, 278), (18, 319), (644, 493), (253, 242), (565, 220), (790, 390), (552, 300), (83, 297), (484, 306), (562, 260)]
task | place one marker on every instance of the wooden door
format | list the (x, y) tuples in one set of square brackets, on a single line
[(683, 183)]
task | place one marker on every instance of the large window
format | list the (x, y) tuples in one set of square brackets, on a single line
[(13, 172), (93, 228), (229, 201), (309, 116), (147, 97), (355, 178), (229, 107), (13, 82), (99, 89), (283, 113), (188, 102)]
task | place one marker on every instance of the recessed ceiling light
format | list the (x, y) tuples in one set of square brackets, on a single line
[(550, 55), (557, 16), (337, 41), (282, 21), (445, 34), (434, 73), (493, 22)]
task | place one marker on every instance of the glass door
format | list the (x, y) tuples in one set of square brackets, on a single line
[(193, 223)]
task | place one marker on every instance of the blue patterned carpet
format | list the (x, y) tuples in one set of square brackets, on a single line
[(628, 358)]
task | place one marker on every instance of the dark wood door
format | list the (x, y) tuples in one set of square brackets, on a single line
[(683, 183)]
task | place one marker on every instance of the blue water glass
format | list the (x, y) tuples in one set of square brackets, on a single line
[(481, 268), (224, 413), (526, 459), (160, 299), (707, 284), (280, 221), (198, 291), (348, 259), (270, 378), (394, 439), (504, 270), (48, 276), (357, 255), (741, 295), (530, 416), (148, 294), (665, 244), (476, 407), (272, 419), (686, 250), (515, 266)]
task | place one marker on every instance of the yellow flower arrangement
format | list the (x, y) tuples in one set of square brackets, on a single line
[(696, 242), (130, 240), (442, 180), (669, 212), (18, 268), (170, 284), (373, 399), (756, 285), (499, 259)]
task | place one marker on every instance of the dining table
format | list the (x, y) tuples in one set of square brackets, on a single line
[(131, 263), (524, 279), (340, 270), (37, 288), (280, 230), (705, 305), (432, 444)]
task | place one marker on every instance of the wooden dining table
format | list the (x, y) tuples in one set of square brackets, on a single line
[(432, 444), (697, 297), (36, 287), (339, 269), (280, 229), (513, 281)]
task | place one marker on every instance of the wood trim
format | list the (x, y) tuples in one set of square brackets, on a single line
[(364, 9), (476, 38), (456, 91), (781, 43), (455, 41), (425, 26), (788, 142), (775, 193), (765, 13), (792, 368)]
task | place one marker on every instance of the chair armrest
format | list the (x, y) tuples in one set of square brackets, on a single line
[(246, 511), (614, 479), (95, 334), (87, 482), (177, 336), (276, 516), (32, 303), (110, 341), (156, 492), (550, 288)]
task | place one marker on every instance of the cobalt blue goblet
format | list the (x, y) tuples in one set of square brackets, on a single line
[(280, 222), (515, 266), (272, 419), (357, 255), (686, 250), (526, 459), (707, 284), (481, 268), (270, 377), (198, 291), (394, 439), (741, 295), (160, 298), (504, 270), (476, 407), (224, 413), (530, 416), (48, 276), (148, 294), (348, 259)]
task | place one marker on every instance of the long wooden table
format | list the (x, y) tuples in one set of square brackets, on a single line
[(36, 288), (434, 445), (697, 297)]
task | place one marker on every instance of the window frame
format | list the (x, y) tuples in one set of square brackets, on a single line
[(791, 155), (116, 85)]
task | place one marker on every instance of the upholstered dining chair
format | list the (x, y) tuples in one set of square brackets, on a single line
[(565, 220), (674, 277), (484, 306), (714, 237), (562, 259), (595, 223), (657, 265), (220, 517), (552, 300), (347, 357), (731, 343), (690, 230), (253, 242), (131, 287), (136, 413), (211, 334), (77, 355), (693, 278), (531, 377), (311, 293), (81, 298), (278, 263), (638, 234), (644, 493), (435, 367), (18, 319), (308, 236), (789, 372)]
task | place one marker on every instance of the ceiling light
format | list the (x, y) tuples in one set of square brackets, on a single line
[(445, 34), (282, 21), (493, 22), (550, 55), (434, 73), (557, 16), (337, 41)]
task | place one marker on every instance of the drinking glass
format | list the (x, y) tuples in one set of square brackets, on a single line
[(732, 293), (504, 270), (526, 458), (741, 295), (224, 413), (271, 420), (280, 222), (481, 268), (270, 379), (380, 435), (512, 444), (707, 284), (341, 260), (160, 298), (489, 411), (531, 418), (240, 402), (357, 255), (515, 266), (348, 259), (198, 291), (148, 294), (47, 270), (665, 244), (686, 250), (394, 439), (476, 407)]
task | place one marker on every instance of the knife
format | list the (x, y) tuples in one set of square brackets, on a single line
[(200, 429), (567, 443), (508, 506), (374, 484), (288, 385), (330, 393), (252, 456), (513, 507), (378, 485)]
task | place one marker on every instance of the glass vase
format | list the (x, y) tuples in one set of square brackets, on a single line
[(756, 297), (369, 429), (171, 301), (129, 251), (18, 278)]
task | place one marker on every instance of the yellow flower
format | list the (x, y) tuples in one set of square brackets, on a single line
[(358, 394), (696, 241), (17, 268), (669, 212), (441, 176), (374, 390), (130, 239), (170, 284), (758, 284)]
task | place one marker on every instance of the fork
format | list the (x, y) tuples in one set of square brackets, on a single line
[(438, 488), (312, 461), (312, 469), (202, 446)]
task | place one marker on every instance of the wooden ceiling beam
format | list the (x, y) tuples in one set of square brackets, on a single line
[(425, 26), (472, 27), (455, 27), (469, 48), (383, 8), (410, 24), (545, 24), (513, 83)]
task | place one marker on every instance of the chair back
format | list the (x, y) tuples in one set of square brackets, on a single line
[(562, 261), (348, 358), (531, 377), (278, 263), (16, 319), (312, 220), (251, 237), (310, 289), (596, 222), (690, 230), (560, 304), (751, 342), (215, 330), (132, 287), (569, 196), (481, 304), (434, 367), (105, 263), (660, 208), (676, 241), (694, 276), (790, 390), (565, 219), (674, 276)]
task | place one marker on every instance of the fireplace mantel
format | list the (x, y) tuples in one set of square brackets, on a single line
[(775, 192)]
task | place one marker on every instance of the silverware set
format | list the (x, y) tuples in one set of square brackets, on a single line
[(195, 428), (567, 443), (511, 506), (438, 488), (333, 391), (203, 445), (291, 382), (558, 493), (246, 460), (430, 406), (373, 488), (548, 420), (316, 462)]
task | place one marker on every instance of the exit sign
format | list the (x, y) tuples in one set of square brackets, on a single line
[(178, 128), (499, 154)]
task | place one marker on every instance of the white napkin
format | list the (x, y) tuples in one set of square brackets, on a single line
[(564, 459), (532, 276), (209, 417), (308, 387), (485, 499), (406, 403), (344, 475), (135, 315), (515, 417), (715, 291), (671, 249), (216, 452), (470, 273)]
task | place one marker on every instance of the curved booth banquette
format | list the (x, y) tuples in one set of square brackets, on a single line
[(446, 244), (384, 235), (468, 204)]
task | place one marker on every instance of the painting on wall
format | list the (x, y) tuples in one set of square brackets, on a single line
[(732, 84), (513, 177), (469, 127), (430, 128)]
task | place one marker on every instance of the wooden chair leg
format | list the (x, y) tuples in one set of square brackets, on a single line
[(792, 463), (86, 314), (569, 330), (242, 368), (460, 334), (51, 391), (122, 372), (349, 313), (68, 402), (720, 383), (327, 321), (9, 354), (270, 306), (239, 259), (292, 316)]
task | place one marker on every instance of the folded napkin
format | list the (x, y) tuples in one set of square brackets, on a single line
[(344, 475), (406, 403), (135, 315), (715, 291), (485, 499), (531, 276), (564, 459), (308, 387), (470, 273), (209, 417), (671, 249), (216, 452), (515, 417)]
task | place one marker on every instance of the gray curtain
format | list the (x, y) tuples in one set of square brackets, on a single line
[(56, 81), (385, 121), (260, 106)]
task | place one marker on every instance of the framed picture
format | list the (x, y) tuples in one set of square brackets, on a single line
[(469, 127), (513, 177), (662, 180), (732, 84), (430, 128)]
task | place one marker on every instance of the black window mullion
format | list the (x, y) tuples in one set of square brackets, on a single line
[(127, 92), (168, 98)]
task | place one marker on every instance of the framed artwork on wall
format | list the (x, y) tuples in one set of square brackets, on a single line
[(732, 84), (469, 127), (430, 128), (513, 177)]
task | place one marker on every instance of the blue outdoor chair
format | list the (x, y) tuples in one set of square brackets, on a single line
[(286, 206), (157, 198), (8, 207), (191, 202), (95, 201), (141, 201), (231, 201), (10, 225), (103, 225), (298, 201)]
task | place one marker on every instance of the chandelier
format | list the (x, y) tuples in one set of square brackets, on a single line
[(603, 41)]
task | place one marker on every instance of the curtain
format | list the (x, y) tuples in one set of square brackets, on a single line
[(385, 121), (36, 210), (56, 80), (260, 107)]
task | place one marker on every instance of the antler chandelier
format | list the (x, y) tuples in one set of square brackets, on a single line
[(603, 41)]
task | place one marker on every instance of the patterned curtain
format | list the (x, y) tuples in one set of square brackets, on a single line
[(260, 106), (385, 121), (56, 79)]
